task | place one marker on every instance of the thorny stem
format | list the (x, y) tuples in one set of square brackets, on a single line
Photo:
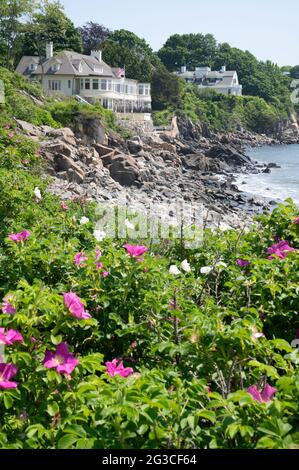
[(176, 325)]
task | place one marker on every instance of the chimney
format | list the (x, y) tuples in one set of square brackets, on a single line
[(223, 69), (49, 50), (183, 69), (97, 55)]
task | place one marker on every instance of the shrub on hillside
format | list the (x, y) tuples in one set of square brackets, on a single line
[(106, 347)]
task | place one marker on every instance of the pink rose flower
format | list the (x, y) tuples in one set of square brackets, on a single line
[(79, 259), (116, 367), (280, 249), (242, 262), (135, 251), (263, 397), (8, 337), (7, 371), (8, 308), (75, 306), (20, 236), (61, 360)]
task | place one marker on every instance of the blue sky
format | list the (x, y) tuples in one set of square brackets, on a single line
[(268, 28)]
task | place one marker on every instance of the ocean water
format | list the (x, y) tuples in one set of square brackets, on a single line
[(282, 182)]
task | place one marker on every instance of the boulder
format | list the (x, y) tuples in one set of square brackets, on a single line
[(29, 129), (154, 141), (102, 150), (65, 134), (90, 130), (58, 147), (229, 154), (196, 162), (123, 168), (64, 163), (135, 146), (89, 156), (75, 175), (273, 165)]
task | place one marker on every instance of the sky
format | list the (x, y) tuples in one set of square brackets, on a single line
[(267, 28)]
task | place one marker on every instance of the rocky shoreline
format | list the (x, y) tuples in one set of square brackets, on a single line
[(185, 164)]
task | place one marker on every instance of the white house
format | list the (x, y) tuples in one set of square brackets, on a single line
[(69, 73), (223, 81)]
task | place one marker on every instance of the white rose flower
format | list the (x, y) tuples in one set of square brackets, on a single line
[(37, 194), (84, 220), (99, 235), (129, 225), (206, 270), (221, 264), (174, 270), (186, 266)]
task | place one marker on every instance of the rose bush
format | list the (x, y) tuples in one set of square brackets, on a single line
[(108, 346)]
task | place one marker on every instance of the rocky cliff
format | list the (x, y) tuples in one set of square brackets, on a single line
[(193, 165)]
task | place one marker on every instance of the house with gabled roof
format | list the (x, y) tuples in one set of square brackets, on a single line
[(70, 74), (222, 81)]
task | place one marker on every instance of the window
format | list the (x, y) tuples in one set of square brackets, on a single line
[(140, 89), (108, 104), (95, 84), (98, 69), (87, 84), (32, 67), (70, 83), (81, 83), (54, 85), (55, 67), (103, 84), (109, 85)]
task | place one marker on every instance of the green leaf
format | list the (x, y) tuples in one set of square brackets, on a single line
[(8, 401), (143, 429), (269, 370), (53, 408), (75, 429), (66, 442), (56, 339), (282, 345), (205, 414), (266, 443)]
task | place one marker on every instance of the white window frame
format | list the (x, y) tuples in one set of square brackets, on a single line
[(104, 85), (107, 103), (54, 85), (95, 81)]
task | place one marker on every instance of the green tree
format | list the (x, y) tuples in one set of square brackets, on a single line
[(12, 12), (166, 90), (124, 48), (50, 23), (93, 35), (294, 72), (262, 79), (188, 49)]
